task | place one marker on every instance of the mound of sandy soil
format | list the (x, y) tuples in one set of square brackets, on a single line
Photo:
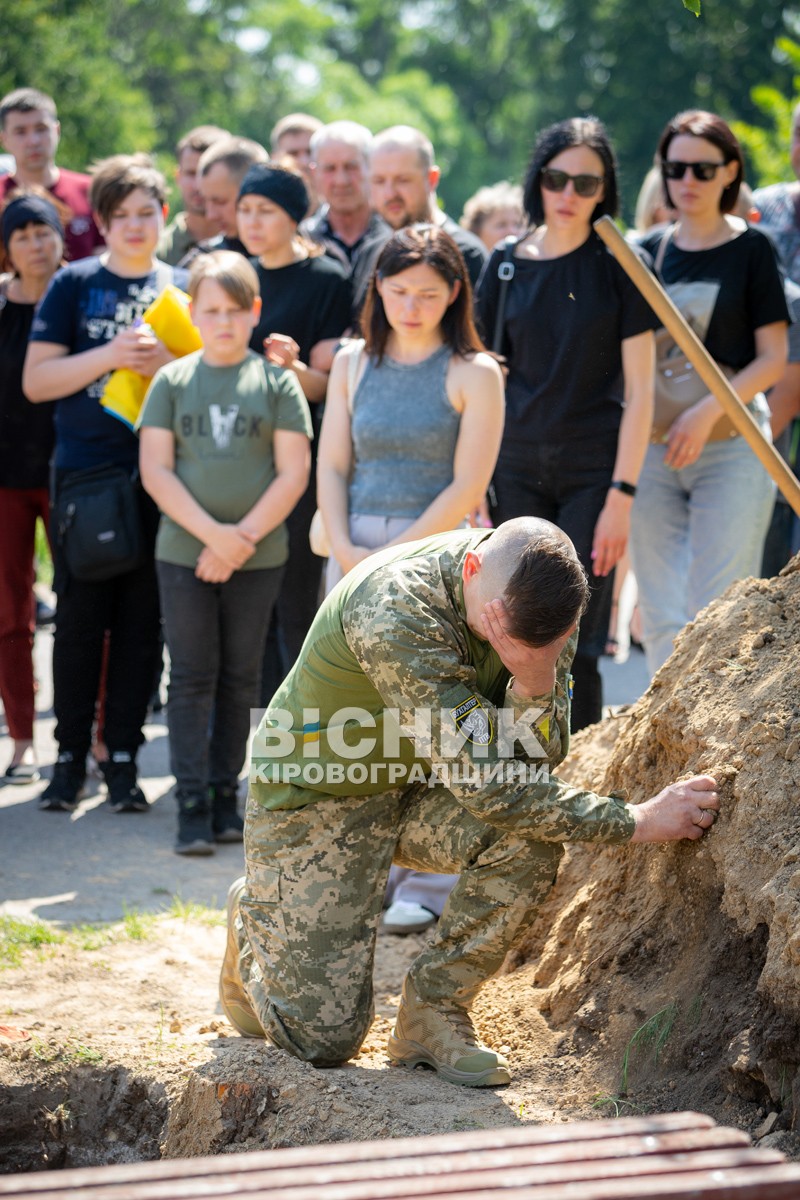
[(706, 934), (654, 979)]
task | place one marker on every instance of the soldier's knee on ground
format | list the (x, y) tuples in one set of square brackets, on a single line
[(322, 1046)]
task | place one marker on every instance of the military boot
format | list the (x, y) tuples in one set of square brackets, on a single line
[(232, 996), (443, 1037)]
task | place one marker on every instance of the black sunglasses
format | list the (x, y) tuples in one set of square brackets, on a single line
[(702, 171), (556, 181)]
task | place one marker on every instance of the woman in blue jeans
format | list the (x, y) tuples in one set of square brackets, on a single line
[(704, 500), (576, 336)]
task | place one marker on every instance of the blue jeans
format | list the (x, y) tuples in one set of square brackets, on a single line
[(215, 633), (693, 532)]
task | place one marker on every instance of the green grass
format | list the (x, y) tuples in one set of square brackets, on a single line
[(695, 1011), (138, 925), (18, 935), (84, 1054), (42, 558), (91, 937), (618, 1103), (653, 1034), (189, 910)]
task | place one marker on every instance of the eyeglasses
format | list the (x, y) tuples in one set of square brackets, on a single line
[(702, 171), (584, 185)]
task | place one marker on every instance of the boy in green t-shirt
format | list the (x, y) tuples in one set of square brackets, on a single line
[(225, 455)]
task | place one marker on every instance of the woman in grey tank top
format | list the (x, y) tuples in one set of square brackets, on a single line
[(415, 413), (409, 441)]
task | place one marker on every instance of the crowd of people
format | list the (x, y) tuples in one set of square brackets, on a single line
[(367, 357)]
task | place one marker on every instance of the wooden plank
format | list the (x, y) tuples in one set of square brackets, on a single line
[(762, 1182), (380, 1176), (532, 1177), (394, 1149), (778, 1183), (681, 1155)]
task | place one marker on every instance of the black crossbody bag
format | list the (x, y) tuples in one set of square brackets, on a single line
[(97, 522)]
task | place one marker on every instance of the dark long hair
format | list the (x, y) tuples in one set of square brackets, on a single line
[(430, 246), (697, 123), (576, 131)]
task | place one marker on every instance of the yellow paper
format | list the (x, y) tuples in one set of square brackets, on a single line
[(168, 317)]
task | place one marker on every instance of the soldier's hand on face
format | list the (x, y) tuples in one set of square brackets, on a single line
[(533, 667), (681, 810)]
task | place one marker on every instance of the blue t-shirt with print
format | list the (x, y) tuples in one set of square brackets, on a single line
[(85, 306)]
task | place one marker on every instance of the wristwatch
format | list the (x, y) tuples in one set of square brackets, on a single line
[(627, 489)]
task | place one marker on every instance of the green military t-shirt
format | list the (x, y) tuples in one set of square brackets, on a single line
[(390, 652), (223, 420)]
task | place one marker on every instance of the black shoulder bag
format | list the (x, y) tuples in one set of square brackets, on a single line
[(97, 522)]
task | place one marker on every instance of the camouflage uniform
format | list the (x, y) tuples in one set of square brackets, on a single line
[(393, 636)]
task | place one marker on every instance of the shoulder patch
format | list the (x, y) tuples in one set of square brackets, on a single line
[(473, 720)]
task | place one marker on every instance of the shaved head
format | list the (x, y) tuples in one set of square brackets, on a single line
[(532, 565)]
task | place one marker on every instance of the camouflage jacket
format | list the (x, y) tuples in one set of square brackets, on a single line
[(393, 689)]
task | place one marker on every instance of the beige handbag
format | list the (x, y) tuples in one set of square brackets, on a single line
[(677, 384), (318, 538)]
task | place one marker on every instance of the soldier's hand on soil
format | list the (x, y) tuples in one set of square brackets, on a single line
[(681, 810)]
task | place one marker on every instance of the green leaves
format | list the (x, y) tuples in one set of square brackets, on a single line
[(481, 77)]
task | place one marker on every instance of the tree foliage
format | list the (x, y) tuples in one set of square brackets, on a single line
[(479, 76), (767, 144)]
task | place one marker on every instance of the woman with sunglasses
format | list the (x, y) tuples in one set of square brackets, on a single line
[(704, 500), (577, 341)]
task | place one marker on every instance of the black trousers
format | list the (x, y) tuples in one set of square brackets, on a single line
[(215, 633), (567, 483), (128, 608)]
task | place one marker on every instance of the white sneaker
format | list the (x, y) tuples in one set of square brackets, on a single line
[(402, 917)]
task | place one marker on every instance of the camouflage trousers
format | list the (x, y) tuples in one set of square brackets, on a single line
[(312, 904)]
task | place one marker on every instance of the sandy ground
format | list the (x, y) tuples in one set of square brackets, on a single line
[(656, 979)]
